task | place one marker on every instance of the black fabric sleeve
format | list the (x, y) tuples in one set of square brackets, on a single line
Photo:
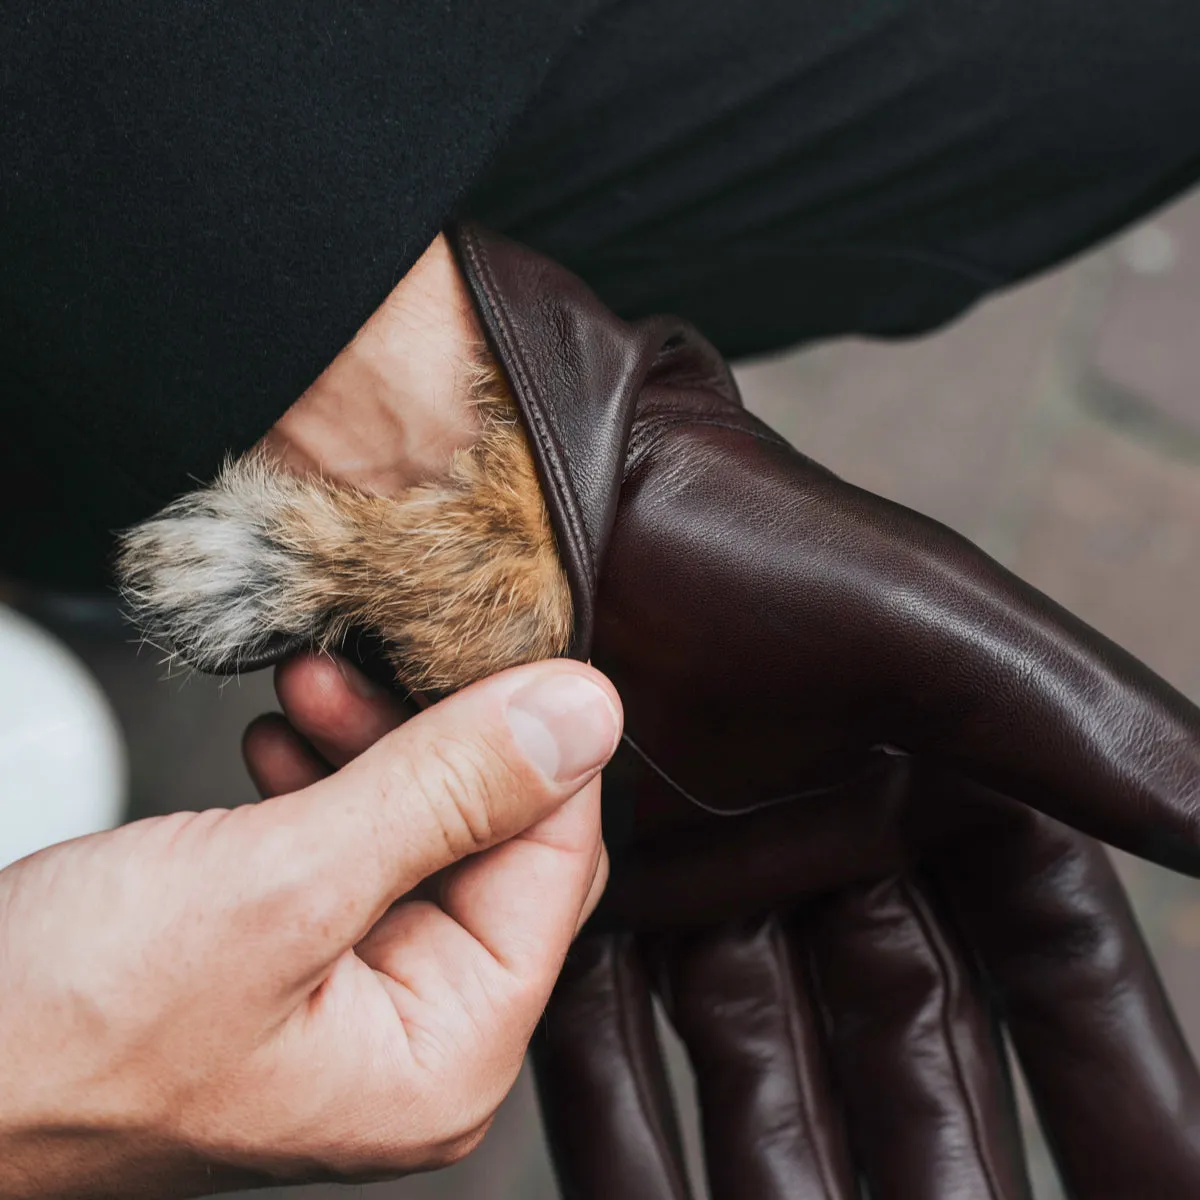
[(200, 203)]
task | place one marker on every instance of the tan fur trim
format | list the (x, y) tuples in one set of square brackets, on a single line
[(459, 577)]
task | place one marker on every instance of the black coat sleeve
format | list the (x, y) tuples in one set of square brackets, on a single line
[(200, 202)]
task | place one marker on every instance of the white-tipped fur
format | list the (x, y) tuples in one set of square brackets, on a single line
[(459, 578)]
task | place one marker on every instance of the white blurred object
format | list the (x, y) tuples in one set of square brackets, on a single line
[(62, 757), (1150, 250)]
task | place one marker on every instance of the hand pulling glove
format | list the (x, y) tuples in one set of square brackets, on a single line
[(838, 712)]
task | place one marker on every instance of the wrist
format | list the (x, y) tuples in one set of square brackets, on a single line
[(57, 1164), (393, 407)]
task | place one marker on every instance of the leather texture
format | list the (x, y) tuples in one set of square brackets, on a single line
[(855, 751), (856, 1036), (576, 372), (770, 626)]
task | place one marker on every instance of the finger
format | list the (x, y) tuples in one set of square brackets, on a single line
[(471, 976), (278, 758), (466, 775), (1114, 1081), (915, 1051), (903, 633), (773, 1128), (521, 902), (605, 1100), (335, 706), (985, 672), (596, 890)]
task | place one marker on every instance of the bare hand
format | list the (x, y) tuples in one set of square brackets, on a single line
[(213, 999)]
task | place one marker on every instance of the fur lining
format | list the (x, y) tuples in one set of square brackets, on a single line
[(459, 577)]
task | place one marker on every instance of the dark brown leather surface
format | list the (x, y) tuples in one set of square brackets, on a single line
[(847, 733), (858, 1033), (1110, 1072), (768, 624)]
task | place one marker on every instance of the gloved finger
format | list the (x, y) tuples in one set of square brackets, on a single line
[(915, 1053), (988, 674), (605, 1099), (773, 1127), (1114, 1081)]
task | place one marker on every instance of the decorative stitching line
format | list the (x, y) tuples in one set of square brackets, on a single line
[(786, 967), (951, 995), (758, 805)]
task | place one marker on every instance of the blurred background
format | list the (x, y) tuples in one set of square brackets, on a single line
[(1057, 426)]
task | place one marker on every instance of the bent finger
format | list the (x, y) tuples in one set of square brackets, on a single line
[(335, 706), (596, 890), (479, 965), (278, 759), (523, 900), (464, 776)]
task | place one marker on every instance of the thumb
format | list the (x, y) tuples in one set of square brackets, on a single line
[(991, 676), (472, 771)]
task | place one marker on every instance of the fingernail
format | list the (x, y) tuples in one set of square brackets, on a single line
[(357, 682), (564, 724)]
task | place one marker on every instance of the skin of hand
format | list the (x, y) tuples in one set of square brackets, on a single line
[(388, 412), (210, 1000)]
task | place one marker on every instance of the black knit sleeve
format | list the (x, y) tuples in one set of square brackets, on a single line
[(200, 202)]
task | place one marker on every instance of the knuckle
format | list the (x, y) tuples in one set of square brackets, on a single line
[(456, 1149), (466, 787), (440, 1135), (287, 893), (314, 696)]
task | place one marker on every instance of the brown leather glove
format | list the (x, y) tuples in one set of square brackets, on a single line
[(769, 626), (858, 1032), (845, 679)]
